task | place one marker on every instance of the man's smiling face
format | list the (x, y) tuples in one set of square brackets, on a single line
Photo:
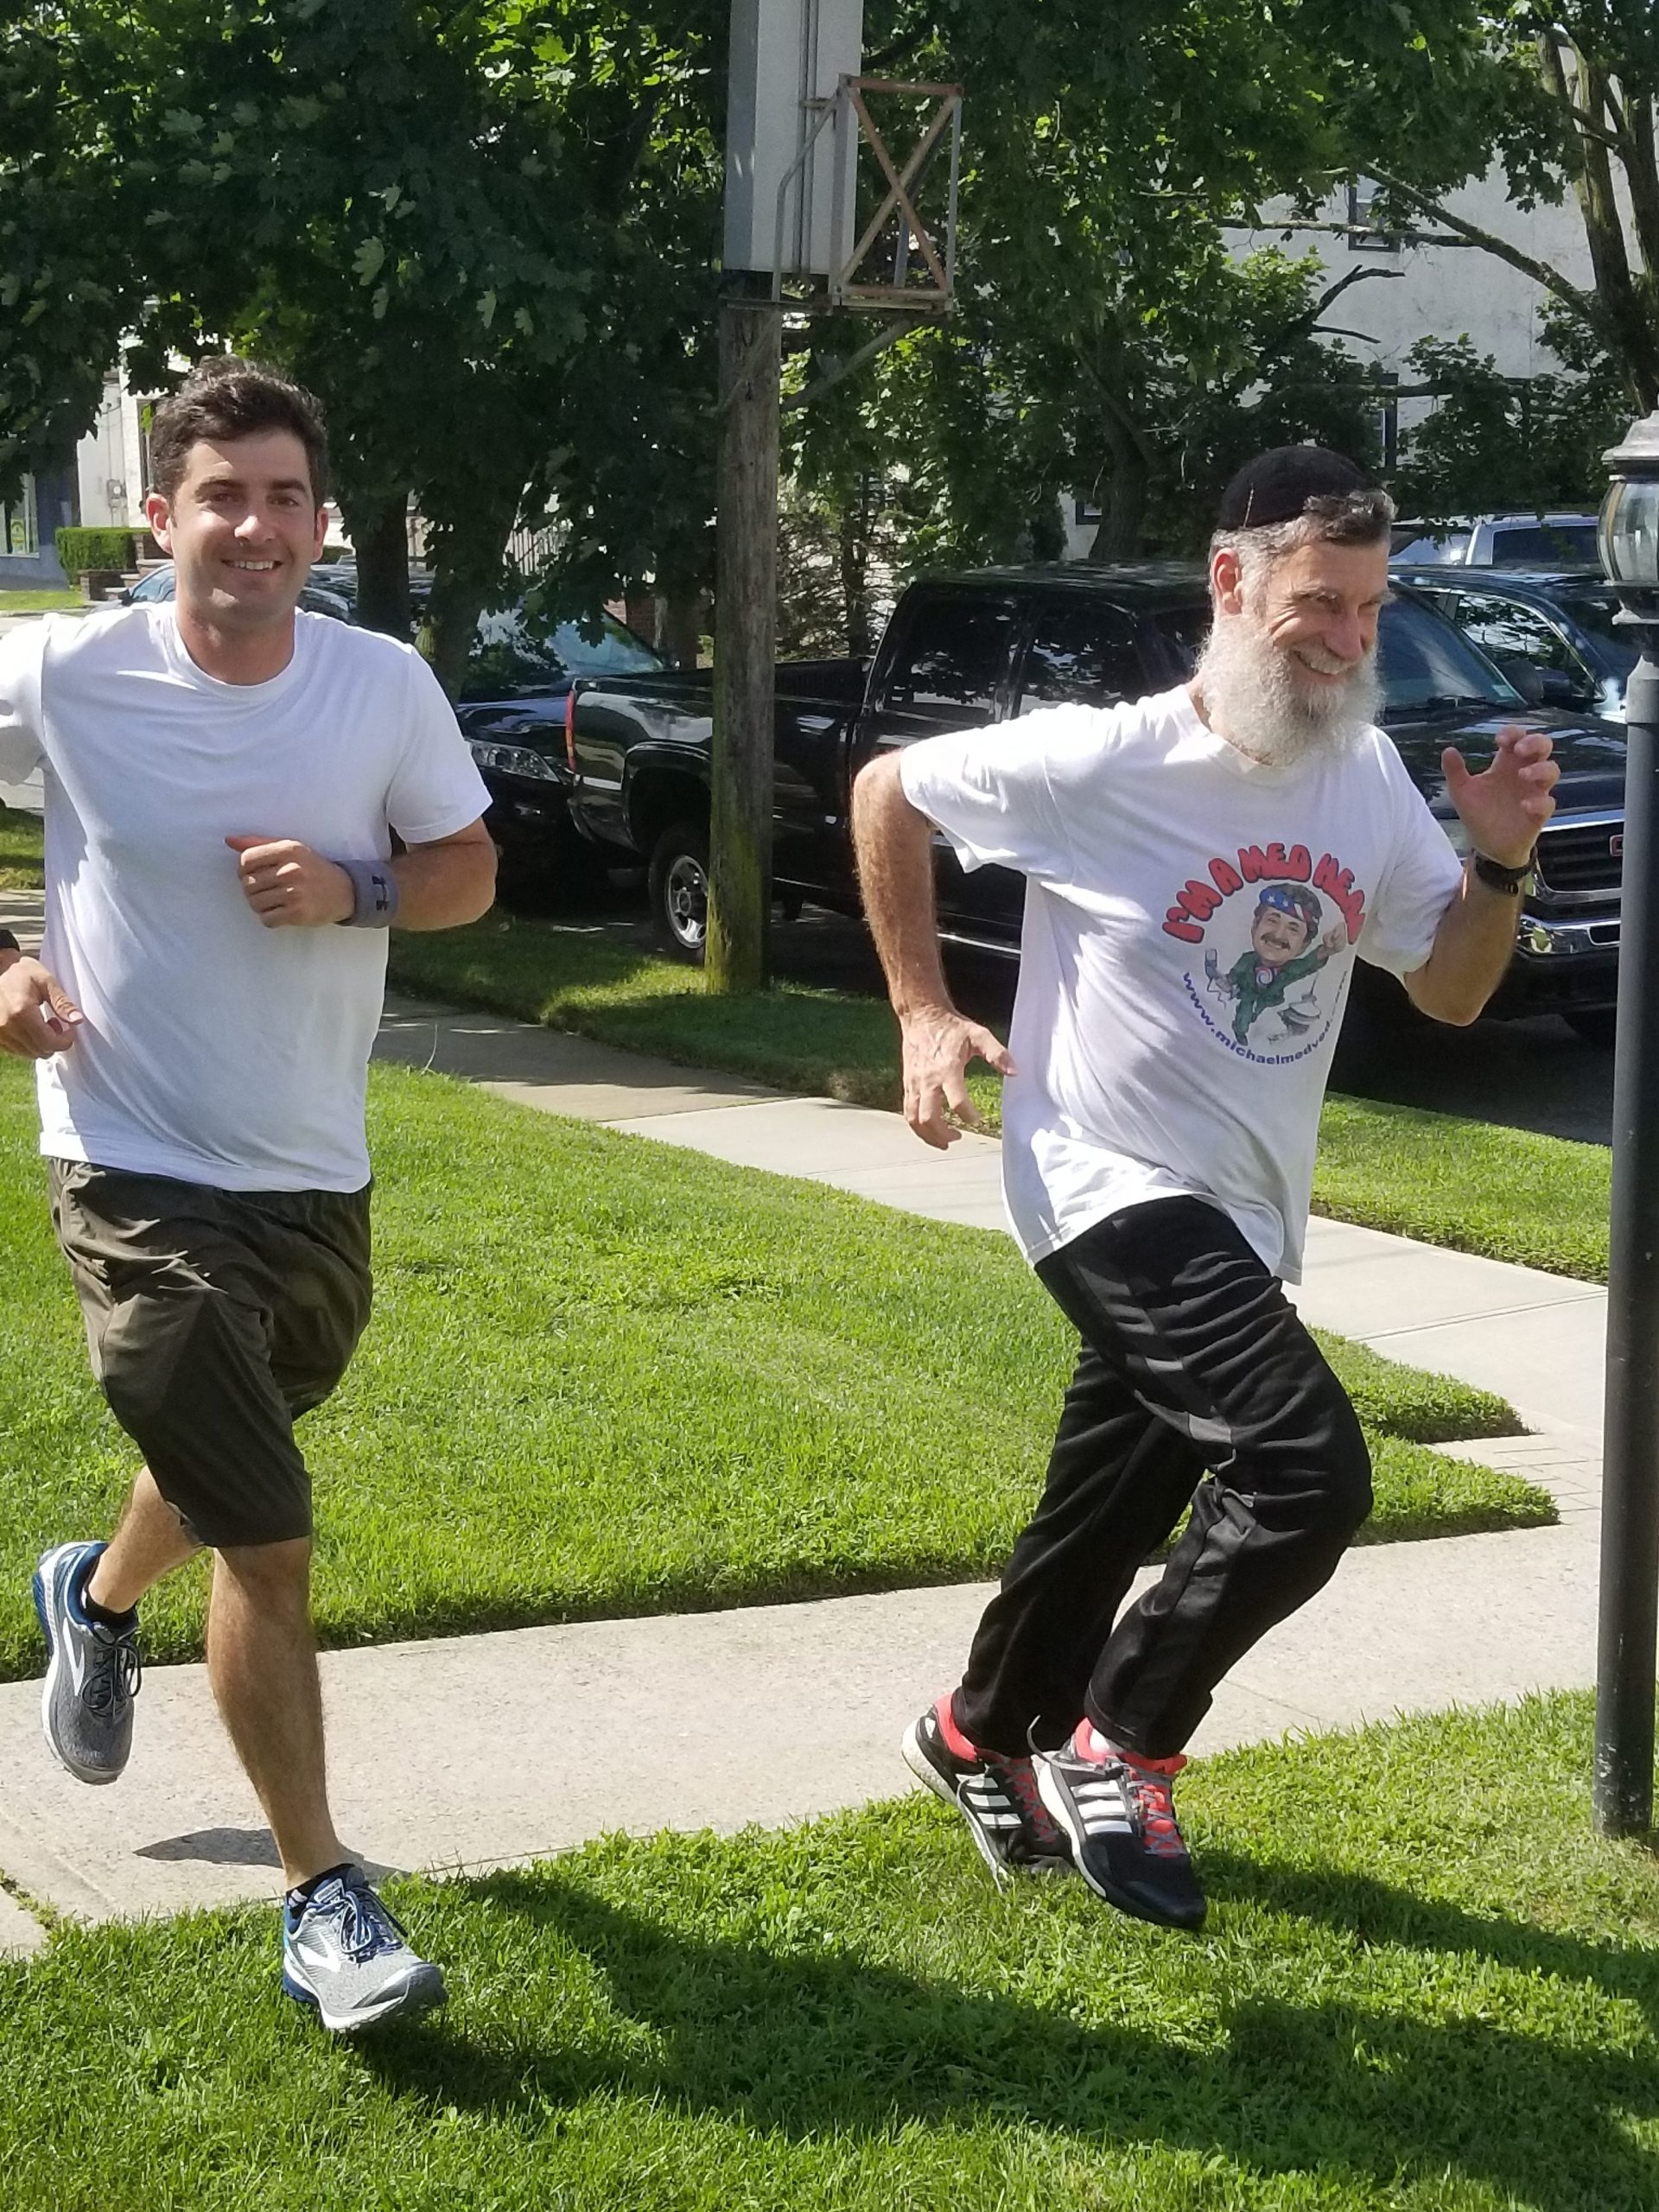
[(1276, 937), (243, 527)]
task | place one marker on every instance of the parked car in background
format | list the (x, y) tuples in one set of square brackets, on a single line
[(1554, 636), (965, 651), (1557, 541), (319, 596), (513, 707)]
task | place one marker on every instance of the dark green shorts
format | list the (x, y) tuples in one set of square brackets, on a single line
[(214, 1319)]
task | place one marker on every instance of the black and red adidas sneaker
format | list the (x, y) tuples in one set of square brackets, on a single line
[(996, 1795), (1117, 1811)]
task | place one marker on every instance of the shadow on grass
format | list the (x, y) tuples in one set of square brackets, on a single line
[(807, 2045)]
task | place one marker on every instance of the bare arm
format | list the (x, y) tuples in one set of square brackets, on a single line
[(440, 885), (893, 844), (1503, 808)]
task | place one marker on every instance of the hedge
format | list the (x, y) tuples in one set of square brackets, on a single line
[(80, 551)]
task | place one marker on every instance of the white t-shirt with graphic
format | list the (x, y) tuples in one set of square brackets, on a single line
[(1191, 924), (215, 1050)]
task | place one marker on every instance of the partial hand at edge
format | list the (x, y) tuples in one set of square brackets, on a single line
[(938, 1043), (38, 1018)]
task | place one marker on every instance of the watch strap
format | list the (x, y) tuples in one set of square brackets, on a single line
[(1497, 875)]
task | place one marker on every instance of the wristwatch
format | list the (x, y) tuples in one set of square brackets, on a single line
[(7, 943), (1497, 875)]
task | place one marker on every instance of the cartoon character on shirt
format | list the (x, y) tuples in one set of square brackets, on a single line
[(1285, 947)]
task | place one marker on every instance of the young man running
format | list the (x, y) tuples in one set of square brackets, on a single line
[(223, 778), (1159, 1139)]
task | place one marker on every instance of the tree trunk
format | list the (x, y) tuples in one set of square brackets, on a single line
[(469, 555), (1129, 479), (380, 535), (1627, 329)]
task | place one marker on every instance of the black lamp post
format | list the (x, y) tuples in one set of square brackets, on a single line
[(1623, 1801)]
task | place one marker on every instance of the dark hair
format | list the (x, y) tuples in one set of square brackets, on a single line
[(225, 398)]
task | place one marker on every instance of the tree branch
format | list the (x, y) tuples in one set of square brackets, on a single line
[(1582, 303)]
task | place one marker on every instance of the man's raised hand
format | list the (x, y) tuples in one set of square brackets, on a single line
[(1505, 806), (288, 886), (938, 1043), (37, 1015)]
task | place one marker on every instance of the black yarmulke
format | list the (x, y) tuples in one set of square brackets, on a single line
[(1277, 486)]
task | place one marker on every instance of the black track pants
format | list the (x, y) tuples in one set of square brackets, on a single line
[(1192, 1360)]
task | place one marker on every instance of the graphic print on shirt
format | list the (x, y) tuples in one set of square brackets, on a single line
[(1272, 921)]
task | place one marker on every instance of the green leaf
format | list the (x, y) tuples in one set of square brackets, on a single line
[(368, 259)]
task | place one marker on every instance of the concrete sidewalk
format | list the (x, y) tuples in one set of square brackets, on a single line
[(515, 1744)]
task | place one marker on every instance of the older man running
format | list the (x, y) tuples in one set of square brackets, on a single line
[(1204, 866)]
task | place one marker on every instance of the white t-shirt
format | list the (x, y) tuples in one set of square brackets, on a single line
[(215, 1050), (1191, 924)]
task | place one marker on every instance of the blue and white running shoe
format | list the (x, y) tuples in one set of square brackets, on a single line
[(345, 1953), (91, 1673)]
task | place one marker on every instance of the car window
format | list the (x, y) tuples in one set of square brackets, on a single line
[(514, 652), (1542, 545), (1594, 611), (1509, 628), (1408, 544), (1425, 663), (952, 658), (1081, 652)]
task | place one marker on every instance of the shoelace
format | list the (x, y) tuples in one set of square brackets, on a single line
[(1151, 1786), (114, 1674), (1018, 1778), (365, 1927)]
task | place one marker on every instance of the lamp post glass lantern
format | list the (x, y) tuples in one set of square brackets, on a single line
[(1628, 1623)]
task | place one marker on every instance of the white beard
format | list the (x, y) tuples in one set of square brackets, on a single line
[(1255, 696)]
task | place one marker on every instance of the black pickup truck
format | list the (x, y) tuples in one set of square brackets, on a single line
[(980, 648)]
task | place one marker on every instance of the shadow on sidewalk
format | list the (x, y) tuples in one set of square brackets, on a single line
[(1437, 2072)]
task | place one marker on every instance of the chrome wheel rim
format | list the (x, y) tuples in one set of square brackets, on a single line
[(685, 898)]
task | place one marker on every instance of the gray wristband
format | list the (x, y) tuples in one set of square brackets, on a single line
[(374, 894)]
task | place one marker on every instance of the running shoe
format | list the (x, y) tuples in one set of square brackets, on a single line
[(1118, 1809), (92, 1670), (997, 1797), (346, 1954)]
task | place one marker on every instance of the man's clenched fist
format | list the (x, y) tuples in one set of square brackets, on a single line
[(288, 886)]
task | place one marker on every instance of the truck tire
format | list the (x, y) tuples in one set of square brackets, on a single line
[(676, 889)]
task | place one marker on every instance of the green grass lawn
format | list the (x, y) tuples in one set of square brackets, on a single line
[(1424, 1988), (20, 850), (607, 1377), (1540, 1201), (44, 601)]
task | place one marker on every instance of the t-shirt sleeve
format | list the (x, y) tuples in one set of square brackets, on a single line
[(436, 790), (1421, 883), (991, 791), (21, 746)]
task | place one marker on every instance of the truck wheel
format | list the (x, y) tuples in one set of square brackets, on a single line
[(677, 891)]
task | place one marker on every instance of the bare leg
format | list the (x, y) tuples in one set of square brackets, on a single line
[(151, 1542), (263, 1665)]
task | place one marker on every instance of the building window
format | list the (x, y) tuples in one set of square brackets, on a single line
[(1367, 232), (20, 521)]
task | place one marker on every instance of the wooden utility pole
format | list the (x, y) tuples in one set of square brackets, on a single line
[(746, 557)]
